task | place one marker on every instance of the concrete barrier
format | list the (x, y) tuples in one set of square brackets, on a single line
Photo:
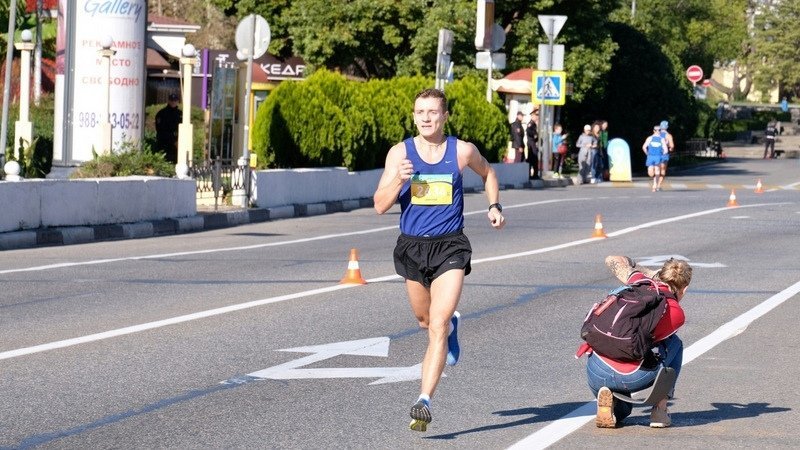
[(31, 204), (49, 203), (281, 187)]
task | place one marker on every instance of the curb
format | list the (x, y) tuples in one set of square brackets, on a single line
[(44, 237), (203, 221)]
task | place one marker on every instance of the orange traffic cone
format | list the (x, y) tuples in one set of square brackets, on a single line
[(732, 200), (759, 188), (353, 275), (598, 227)]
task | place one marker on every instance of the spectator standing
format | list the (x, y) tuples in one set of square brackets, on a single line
[(167, 121), (597, 155), (770, 134), (517, 138), (586, 144), (604, 144), (532, 134), (559, 142)]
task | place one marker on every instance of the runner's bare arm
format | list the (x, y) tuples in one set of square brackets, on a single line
[(396, 172), (468, 155)]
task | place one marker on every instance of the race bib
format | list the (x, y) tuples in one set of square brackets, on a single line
[(429, 189)]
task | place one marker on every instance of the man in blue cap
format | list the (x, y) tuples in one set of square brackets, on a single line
[(666, 137)]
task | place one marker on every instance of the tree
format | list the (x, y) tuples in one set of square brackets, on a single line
[(776, 46), (702, 32), (217, 29), (386, 38)]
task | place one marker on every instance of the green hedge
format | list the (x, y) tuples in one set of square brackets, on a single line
[(37, 155), (328, 120)]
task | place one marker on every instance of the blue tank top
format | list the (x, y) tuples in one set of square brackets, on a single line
[(656, 146), (432, 201)]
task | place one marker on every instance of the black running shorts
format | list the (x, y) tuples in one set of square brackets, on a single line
[(422, 259)]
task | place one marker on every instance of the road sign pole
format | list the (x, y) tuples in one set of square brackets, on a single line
[(245, 162), (252, 40), (489, 80), (548, 122)]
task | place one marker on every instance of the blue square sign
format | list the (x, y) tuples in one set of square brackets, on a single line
[(549, 87)]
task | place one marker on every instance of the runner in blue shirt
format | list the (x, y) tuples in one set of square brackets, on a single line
[(655, 148), (424, 174), (666, 139)]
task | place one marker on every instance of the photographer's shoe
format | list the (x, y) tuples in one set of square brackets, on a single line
[(659, 418), (605, 409)]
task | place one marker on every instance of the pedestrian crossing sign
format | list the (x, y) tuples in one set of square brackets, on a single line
[(549, 87)]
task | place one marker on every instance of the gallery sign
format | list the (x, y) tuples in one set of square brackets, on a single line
[(83, 26)]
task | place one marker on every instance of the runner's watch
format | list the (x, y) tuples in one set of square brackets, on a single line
[(496, 205)]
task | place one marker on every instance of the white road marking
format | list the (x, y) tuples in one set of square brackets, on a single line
[(251, 247), (566, 425), (194, 252), (251, 304), (291, 370), (659, 260)]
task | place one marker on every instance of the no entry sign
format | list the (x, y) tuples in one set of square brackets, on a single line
[(694, 73)]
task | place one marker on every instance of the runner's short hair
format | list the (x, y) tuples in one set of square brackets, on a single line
[(433, 93)]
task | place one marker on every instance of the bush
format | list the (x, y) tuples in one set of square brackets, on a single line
[(327, 120), (127, 161), (474, 119), (37, 156)]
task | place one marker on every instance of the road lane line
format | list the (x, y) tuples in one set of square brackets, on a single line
[(254, 246), (576, 419), (251, 304)]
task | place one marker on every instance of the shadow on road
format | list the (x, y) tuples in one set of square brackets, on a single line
[(720, 412), (535, 415)]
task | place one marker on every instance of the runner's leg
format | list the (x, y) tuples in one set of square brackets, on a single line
[(445, 293)]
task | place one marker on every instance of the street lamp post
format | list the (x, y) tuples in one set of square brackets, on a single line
[(105, 53), (23, 129), (185, 129)]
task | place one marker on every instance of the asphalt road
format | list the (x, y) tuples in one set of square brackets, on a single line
[(180, 341)]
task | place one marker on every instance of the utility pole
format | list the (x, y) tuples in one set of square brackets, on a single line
[(551, 26)]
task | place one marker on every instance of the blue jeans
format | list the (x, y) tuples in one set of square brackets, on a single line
[(597, 165), (599, 375)]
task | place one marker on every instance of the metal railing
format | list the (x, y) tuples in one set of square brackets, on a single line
[(222, 178), (702, 147)]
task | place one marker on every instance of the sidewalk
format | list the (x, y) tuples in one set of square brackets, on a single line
[(789, 144), (207, 218)]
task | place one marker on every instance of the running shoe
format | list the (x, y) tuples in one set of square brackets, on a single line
[(453, 349), (659, 418), (420, 416), (605, 409)]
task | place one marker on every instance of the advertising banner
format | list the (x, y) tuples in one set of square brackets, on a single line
[(619, 160), (92, 22)]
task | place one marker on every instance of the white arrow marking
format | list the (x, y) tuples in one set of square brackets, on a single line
[(659, 260), (365, 347)]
